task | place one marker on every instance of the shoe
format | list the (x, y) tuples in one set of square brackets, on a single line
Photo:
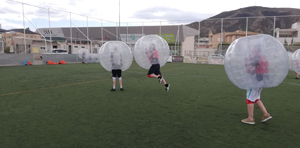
[(296, 78), (113, 89), (248, 121), (121, 89), (160, 79), (167, 87), (266, 118)]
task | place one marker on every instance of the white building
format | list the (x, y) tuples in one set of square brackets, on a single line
[(180, 38), (289, 36)]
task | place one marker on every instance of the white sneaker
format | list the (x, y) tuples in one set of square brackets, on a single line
[(167, 88), (160, 79)]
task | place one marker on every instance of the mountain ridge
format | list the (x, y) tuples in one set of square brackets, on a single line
[(260, 20)]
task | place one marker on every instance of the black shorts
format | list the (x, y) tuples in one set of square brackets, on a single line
[(154, 69), (116, 73)]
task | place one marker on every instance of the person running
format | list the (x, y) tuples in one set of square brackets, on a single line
[(154, 71), (297, 76)]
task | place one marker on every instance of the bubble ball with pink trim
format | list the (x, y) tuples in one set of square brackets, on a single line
[(151, 49), (257, 61)]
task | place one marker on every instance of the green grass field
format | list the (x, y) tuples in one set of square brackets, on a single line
[(71, 106)]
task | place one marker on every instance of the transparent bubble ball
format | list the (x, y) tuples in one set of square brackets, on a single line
[(151, 49), (90, 58), (296, 61), (256, 61), (290, 60), (96, 58), (115, 55), (83, 54)]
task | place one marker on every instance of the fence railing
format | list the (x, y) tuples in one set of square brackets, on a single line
[(202, 39)]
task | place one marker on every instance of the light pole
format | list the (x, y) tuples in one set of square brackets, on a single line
[(119, 35)]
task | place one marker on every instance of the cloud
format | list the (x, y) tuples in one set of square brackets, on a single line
[(168, 14), (12, 12), (9, 25)]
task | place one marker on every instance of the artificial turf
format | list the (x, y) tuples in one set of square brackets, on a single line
[(71, 106)]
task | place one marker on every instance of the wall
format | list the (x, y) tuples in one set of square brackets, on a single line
[(188, 44), (14, 59)]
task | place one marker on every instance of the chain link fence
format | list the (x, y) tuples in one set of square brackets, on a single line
[(190, 41)]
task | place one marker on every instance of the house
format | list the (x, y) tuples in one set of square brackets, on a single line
[(228, 37), (209, 45), (14, 38), (288, 36)]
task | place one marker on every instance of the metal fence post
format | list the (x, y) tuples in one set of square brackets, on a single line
[(50, 31), (221, 38), (71, 33), (142, 27), (126, 33), (87, 33), (247, 26), (160, 28), (24, 28), (274, 26)]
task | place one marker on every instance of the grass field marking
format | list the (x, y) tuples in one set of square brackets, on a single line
[(199, 76), (173, 69), (162, 70), (298, 84), (52, 87)]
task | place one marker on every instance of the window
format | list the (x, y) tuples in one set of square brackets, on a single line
[(76, 47), (62, 51), (285, 35), (42, 48), (82, 46)]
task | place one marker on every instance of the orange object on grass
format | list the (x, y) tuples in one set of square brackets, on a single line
[(62, 62), (29, 63), (50, 62)]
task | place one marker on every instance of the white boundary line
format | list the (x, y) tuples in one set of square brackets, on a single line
[(198, 76)]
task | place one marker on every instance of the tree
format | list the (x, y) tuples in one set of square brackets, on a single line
[(7, 49)]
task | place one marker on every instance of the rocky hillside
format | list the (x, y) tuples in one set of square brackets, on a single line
[(233, 21)]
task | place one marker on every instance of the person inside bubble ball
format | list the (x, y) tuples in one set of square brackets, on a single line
[(83, 57), (116, 63), (297, 76), (154, 71), (256, 67)]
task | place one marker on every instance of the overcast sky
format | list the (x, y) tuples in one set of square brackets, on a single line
[(148, 12)]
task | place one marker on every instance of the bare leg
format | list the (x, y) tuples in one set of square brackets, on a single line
[(250, 111), (114, 83), (120, 81), (164, 81), (156, 76), (262, 107), (297, 75)]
